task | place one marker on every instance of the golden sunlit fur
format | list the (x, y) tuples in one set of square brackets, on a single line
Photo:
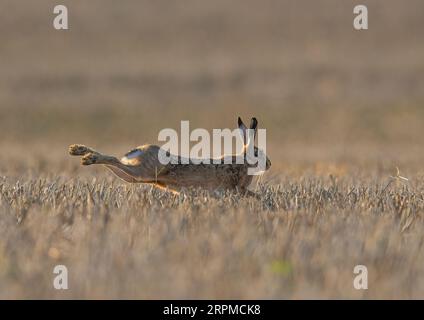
[(142, 165)]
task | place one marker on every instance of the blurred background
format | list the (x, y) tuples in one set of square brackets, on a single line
[(342, 109), (328, 95)]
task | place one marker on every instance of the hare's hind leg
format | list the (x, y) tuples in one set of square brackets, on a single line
[(98, 158), (126, 173), (91, 156), (80, 150)]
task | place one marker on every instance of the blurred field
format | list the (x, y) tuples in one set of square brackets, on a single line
[(342, 109)]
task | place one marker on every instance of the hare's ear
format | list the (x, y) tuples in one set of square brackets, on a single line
[(241, 125), (254, 126), (243, 130)]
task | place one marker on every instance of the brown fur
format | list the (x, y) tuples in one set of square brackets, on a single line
[(142, 165)]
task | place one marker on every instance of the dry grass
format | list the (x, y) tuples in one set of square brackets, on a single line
[(301, 240), (342, 109)]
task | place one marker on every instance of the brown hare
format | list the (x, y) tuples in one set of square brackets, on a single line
[(142, 165)]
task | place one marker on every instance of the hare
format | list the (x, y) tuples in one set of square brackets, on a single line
[(142, 165)]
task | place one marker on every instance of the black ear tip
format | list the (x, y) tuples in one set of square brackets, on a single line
[(239, 121), (253, 123)]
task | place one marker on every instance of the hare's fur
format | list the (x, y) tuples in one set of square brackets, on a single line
[(141, 165)]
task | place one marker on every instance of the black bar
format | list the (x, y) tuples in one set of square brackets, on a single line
[(210, 309)]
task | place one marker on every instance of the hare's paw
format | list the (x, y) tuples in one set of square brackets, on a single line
[(78, 150), (89, 158)]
